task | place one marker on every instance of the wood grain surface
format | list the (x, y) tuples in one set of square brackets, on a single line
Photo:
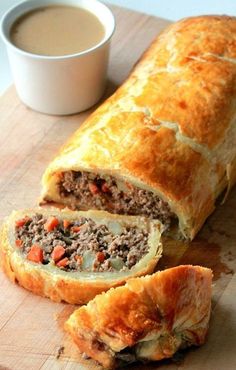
[(31, 327)]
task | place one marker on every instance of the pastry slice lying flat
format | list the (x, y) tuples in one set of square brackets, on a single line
[(150, 318), (72, 256)]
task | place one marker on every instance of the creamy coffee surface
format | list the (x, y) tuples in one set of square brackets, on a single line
[(57, 30)]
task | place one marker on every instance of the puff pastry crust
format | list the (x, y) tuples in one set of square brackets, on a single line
[(149, 318), (73, 287), (171, 127)]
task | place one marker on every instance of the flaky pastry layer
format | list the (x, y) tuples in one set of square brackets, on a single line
[(149, 318)]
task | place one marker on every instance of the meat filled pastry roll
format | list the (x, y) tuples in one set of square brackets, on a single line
[(163, 145), (150, 318), (72, 256)]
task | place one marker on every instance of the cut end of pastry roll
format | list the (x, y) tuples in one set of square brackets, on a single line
[(81, 189), (150, 318), (73, 256)]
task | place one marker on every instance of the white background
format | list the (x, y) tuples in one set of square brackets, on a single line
[(170, 9)]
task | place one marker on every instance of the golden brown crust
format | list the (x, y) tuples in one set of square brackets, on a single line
[(58, 285), (170, 128), (199, 54), (155, 315)]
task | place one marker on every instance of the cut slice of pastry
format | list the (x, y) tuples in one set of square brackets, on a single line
[(150, 318), (72, 256), (164, 144)]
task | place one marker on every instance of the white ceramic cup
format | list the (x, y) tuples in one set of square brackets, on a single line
[(61, 84)]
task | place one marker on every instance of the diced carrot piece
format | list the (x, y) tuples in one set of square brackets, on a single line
[(62, 263), (35, 254), (19, 243), (58, 252), (59, 175), (79, 259), (105, 188), (22, 221), (51, 223), (76, 229), (100, 257), (66, 224), (93, 188), (130, 186)]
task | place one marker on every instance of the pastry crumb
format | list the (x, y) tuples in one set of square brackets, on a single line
[(85, 356), (60, 351)]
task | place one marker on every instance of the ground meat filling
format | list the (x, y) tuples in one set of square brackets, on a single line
[(80, 245), (109, 194)]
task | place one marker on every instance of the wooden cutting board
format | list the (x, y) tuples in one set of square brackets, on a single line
[(31, 327)]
